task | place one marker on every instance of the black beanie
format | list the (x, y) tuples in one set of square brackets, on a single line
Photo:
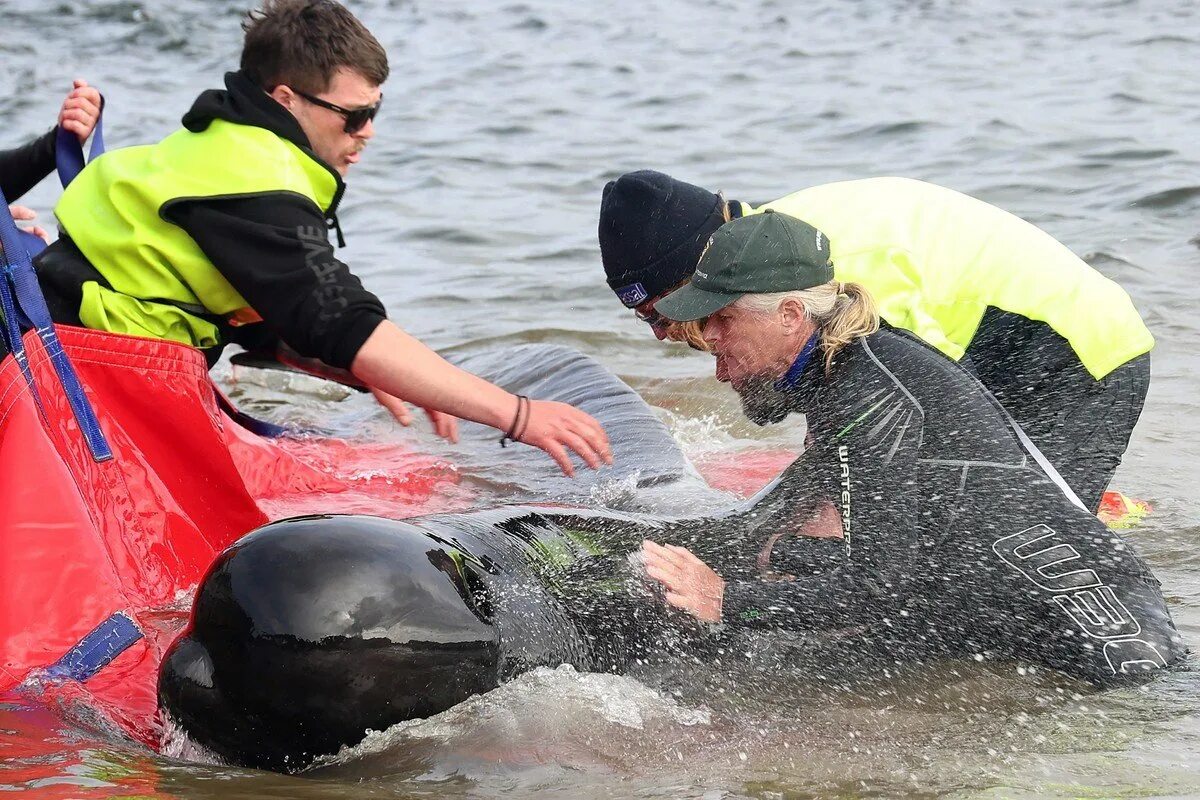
[(652, 231)]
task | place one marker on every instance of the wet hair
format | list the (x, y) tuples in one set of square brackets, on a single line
[(303, 43), (690, 334), (842, 312)]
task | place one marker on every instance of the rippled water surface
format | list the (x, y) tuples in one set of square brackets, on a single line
[(473, 215)]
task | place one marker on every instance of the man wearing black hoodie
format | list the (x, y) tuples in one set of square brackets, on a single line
[(219, 233)]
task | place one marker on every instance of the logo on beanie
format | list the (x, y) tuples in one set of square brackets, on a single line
[(632, 295)]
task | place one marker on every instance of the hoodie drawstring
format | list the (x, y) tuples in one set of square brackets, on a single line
[(333, 223)]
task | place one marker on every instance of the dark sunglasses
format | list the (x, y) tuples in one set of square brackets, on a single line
[(652, 318), (356, 118)]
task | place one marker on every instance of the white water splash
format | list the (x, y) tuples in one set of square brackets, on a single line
[(543, 714), (175, 743)]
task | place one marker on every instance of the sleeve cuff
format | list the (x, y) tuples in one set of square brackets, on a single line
[(351, 339)]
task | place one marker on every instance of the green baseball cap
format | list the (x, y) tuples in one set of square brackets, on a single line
[(759, 254)]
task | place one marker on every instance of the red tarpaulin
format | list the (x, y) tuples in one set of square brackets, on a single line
[(86, 539)]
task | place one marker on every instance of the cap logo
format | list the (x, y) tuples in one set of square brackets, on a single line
[(707, 245), (818, 241), (633, 295)]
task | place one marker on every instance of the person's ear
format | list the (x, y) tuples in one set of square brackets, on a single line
[(284, 95), (791, 315)]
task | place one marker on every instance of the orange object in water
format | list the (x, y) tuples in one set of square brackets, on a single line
[(1118, 511)]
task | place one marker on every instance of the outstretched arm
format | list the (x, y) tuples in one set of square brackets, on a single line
[(400, 365), (273, 250)]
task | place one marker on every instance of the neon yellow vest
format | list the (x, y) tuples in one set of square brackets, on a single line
[(935, 260), (114, 212)]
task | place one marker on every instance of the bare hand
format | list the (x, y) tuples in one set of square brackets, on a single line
[(23, 214), (691, 585), (444, 425), (554, 427), (80, 110)]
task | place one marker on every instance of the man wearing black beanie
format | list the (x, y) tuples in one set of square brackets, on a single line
[(1059, 345), (652, 231)]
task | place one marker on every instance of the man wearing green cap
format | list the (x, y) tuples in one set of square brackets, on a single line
[(918, 506), (1060, 346)]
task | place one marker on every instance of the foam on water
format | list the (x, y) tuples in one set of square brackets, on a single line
[(548, 716)]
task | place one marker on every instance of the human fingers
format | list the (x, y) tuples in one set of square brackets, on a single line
[(668, 578), (553, 417), (40, 233), (582, 447), (395, 405), (672, 555), (684, 555), (662, 565), (663, 551), (75, 122), (545, 427), (21, 213), (448, 428), (590, 429), (87, 102), (89, 93), (83, 105), (559, 454), (444, 425), (681, 601)]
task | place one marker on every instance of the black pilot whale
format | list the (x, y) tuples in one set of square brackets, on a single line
[(309, 632)]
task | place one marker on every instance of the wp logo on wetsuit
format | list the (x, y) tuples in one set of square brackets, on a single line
[(1045, 560)]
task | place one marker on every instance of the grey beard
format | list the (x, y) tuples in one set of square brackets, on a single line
[(762, 403)]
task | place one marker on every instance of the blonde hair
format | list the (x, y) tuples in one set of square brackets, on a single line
[(690, 333), (842, 312)]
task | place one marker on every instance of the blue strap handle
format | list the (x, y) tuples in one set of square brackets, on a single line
[(32, 243), (20, 292), (68, 150), (97, 650), (12, 324), (68, 162)]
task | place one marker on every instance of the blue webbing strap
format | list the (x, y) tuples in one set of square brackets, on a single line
[(33, 243), (68, 162), (12, 328), (68, 151), (20, 284), (97, 650), (259, 427)]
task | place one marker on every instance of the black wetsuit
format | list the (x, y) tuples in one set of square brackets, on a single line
[(1082, 425), (955, 540), (22, 168)]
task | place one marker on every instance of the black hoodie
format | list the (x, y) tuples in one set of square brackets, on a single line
[(262, 245)]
